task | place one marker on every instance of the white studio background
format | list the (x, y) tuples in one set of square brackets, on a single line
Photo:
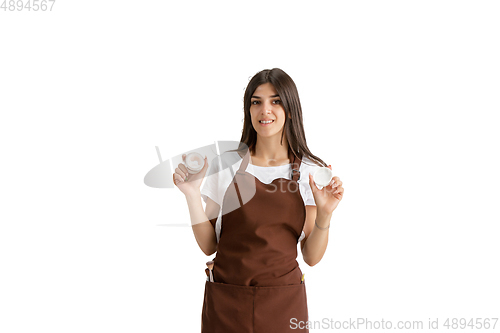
[(400, 97)]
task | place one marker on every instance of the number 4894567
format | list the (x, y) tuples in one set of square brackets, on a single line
[(27, 5)]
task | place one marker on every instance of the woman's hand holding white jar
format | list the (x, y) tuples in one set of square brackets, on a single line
[(189, 176), (328, 198)]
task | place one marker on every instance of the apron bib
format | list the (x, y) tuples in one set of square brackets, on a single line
[(257, 286)]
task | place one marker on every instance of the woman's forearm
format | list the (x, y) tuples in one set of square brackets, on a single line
[(316, 243), (202, 228)]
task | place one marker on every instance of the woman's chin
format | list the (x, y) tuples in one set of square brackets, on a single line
[(268, 134)]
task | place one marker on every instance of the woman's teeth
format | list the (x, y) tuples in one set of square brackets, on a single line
[(266, 122)]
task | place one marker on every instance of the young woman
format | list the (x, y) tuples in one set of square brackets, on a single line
[(261, 201)]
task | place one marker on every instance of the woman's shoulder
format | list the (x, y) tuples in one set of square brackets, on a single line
[(223, 161), (230, 158), (308, 164)]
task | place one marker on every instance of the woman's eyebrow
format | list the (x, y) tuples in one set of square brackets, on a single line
[(270, 96)]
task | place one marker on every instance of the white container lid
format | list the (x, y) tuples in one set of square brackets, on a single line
[(194, 162), (323, 176)]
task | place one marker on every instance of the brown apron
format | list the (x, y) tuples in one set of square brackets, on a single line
[(257, 286)]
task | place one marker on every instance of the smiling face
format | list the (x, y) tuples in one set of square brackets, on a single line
[(266, 111)]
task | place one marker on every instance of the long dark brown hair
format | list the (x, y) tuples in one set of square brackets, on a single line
[(287, 91)]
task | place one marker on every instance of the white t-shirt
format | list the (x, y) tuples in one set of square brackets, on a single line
[(218, 180)]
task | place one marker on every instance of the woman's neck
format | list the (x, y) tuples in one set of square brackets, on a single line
[(270, 152)]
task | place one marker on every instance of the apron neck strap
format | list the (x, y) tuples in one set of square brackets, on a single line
[(244, 162), (296, 168)]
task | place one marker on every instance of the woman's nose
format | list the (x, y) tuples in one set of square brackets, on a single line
[(267, 108)]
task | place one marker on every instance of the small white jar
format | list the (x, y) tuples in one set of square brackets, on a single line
[(194, 163), (322, 177)]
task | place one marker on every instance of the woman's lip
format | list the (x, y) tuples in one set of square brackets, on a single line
[(272, 121)]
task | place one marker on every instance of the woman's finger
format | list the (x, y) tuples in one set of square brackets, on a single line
[(337, 181), (312, 184), (181, 173), (177, 179), (183, 168)]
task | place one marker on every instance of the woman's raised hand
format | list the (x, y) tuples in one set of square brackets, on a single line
[(328, 198), (186, 182)]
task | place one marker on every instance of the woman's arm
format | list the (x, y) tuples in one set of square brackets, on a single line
[(203, 230), (318, 218), (314, 244), (189, 185)]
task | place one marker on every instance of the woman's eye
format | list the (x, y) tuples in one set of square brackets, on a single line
[(257, 102)]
